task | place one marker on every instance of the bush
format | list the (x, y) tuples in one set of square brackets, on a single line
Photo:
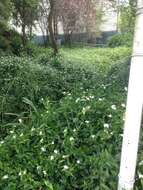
[(16, 45), (124, 39), (4, 44)]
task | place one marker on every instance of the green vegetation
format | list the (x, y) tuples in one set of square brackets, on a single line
[(62, 118)]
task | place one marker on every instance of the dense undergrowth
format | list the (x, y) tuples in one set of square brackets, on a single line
[(61, 119)]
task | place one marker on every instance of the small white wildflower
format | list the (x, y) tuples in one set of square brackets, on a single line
[(91, 97), (111, 133), (20, 173), (113, 107), (123, 105), (64, 93), (140, 175), (77, 100), (11, 132), (65, 156), (38, 167), (32, 129), (47, 111), (20, 120), (51, 157), (74, 130), (5, 177), (44, 172), (141, 163), (106, 125), (24, 172), (126, 89), (110, 116), (43, 149), (14, 137), (1, 142), (71, 138), (66, 167), (85, 109), (55, 151), (87, 98), (41, 140), (100, 99), (121, 135), (40, 133), (21, 135), (92, 136), (87, 122), (65, 130), (52, 142), (78, 161)]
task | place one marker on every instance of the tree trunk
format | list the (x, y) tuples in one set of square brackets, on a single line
[(50, 25), (23, 34)]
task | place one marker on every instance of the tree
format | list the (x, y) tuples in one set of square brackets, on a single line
[(5, 11), (128, 15), (25, 14), (50, 25), (43, 14)]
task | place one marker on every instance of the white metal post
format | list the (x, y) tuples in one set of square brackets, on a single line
[(134, 109)]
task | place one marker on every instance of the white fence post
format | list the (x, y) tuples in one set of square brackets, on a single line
[(134, 109)]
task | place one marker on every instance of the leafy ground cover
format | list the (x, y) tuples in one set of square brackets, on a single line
[(62, 120)]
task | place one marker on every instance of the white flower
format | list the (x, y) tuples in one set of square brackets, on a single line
[(87, 122), (65, 156), (44, 172), (41, 140), (78, 161), (110, 116), (32, 129), (85, 109), (40, 133), (93, 136), (55, 151), (24, 172), (20, 120), (106, 125), (21, 135), (52, 142), (140, 175), (5, 177), (77, 100), (113, 107), (20, 174), (14, 137), (51, 157), (111, 133), (92, 97), (66, 167), (121, 135), (38, 167), (100, 99), (126, 89), (71, 138), (141, 163), (74, 130), (11, 132), (43, 149), (1, 142), (65, 130), (123, 105)]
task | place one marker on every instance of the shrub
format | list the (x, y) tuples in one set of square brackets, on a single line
[(4, 44), (16, 45), (124, 39)]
